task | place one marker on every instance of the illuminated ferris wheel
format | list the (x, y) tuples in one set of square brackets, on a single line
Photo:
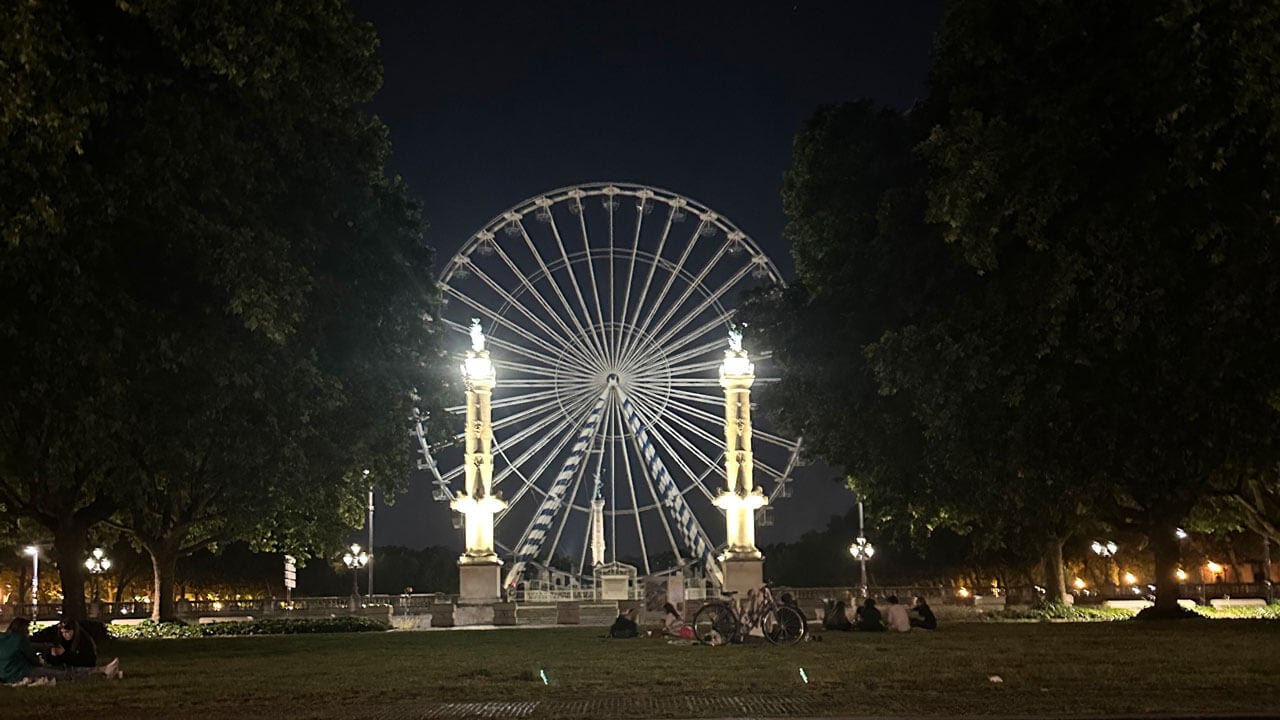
[(606, 308)]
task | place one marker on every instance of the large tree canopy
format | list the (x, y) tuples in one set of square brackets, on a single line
[(220, 303), (1104, 177)]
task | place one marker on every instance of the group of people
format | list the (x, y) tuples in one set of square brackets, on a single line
[(867, 617), (71, 656), (672, 624)]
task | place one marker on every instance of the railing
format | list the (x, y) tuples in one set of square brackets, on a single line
[(424, 604)]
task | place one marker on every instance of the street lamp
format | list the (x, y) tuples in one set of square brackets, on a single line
[(1106, 550), (355, 559), (96, 564), (370, 485), (34, 552), (862, 550)]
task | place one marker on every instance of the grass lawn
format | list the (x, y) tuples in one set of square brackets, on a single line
[(1219, 666)]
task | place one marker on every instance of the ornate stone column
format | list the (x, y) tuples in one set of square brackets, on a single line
[(742, 562), (479, 566)]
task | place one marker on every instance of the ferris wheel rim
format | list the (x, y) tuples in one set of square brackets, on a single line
[(521, 209), (636, 347)]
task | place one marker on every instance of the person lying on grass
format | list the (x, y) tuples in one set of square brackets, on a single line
[(20, 664)]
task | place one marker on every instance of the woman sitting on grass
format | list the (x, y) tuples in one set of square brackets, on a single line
[(20, 664), (74, 653)]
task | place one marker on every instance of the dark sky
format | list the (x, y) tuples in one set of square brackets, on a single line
[(490, 103)]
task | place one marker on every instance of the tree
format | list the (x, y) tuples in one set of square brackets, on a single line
[(869, 264), (221, 300), (1110, 170)]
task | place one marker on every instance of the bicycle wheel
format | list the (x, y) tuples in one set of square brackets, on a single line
[(783, 625), (715, 624)]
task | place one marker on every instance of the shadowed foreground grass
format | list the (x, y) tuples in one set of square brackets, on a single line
[(1046, 669)]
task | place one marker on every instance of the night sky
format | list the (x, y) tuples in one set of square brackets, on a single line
[(490, 103)]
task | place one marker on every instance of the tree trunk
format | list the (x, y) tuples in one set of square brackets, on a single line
[(1166, 548), (70, 543), (164, 568), (1055, 580)]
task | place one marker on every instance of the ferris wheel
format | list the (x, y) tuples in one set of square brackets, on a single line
[(606, 309)]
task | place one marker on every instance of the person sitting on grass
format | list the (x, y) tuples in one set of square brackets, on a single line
[(868, 618), (73, 653), (896, 616), (19, 663), (923, 615), (625, 625), (672, 623), (837, 618)]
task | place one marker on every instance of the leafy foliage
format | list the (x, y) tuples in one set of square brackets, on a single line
[(218, 296), (1060, 612), (148, 629)]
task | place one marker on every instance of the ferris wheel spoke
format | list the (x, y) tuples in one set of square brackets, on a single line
[(695, 537), (715, 326), (646, 470), (677, 271), (577, 291), (556, 342), (644, 292), (693, 397), (661, 439), (565, 423), (776, 440), (522, 399), (707, 302), (497, 341), (689, 425), (551, 280), (551, 413), (540, 371), (693, 285), (631, 488), (533, 292), (522, 416), (530, 545), (631, 271), (701, 367), (624, 342), (700, 351), (591, 267)]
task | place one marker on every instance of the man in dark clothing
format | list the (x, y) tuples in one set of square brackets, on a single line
[(869, 619), (922, 615), (625, 625)]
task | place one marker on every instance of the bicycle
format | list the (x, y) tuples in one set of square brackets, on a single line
[(720, 621)]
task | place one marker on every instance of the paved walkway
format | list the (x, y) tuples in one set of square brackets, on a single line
[(752, 707)]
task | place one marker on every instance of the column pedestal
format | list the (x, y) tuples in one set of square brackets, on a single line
[(479, 583), (743, 575)]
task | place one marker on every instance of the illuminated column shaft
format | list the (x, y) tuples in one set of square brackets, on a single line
[(597, 531), (741, 499), (476, 502)]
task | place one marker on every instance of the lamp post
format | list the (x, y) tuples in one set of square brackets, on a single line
[(355, 559), (1106, 550), (366, 480), (862, 550), (96, 564), (34, 552)]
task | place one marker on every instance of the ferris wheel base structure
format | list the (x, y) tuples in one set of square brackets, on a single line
[(607, 430)]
